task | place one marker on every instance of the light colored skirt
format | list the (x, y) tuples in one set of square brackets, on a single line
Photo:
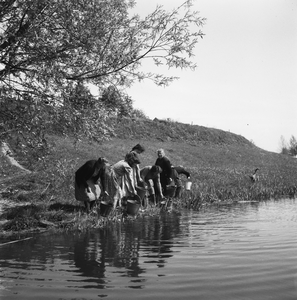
[(113, 190), (81, 193)]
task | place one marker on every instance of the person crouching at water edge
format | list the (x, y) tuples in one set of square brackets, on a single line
[(176, 172), (166, 175), (123, 171), (118, 180), (87, 177), (151, 177)]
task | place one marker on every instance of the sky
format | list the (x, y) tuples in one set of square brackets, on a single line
[(246, 76)]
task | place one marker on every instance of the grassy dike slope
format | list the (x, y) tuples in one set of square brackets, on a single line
[(220, 164)]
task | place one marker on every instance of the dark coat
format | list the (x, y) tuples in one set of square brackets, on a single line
[(181, 170), (166, 173), (89, 170)]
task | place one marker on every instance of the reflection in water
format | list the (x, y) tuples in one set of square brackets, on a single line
[(118, 245), (91, 260), (242, 251)]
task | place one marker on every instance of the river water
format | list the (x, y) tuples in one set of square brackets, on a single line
[(242, 251)]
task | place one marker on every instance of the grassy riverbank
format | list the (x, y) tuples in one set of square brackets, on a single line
[(219, 162)]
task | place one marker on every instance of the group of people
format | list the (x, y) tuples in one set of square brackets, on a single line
[(125, 180)]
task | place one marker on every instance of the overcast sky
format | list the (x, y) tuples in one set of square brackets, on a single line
[(246, 76)]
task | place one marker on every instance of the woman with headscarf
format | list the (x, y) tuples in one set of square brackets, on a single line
[(123, 171), (118, 181)]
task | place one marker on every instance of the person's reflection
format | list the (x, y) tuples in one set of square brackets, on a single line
[(89, 257), (110, 246), (159, 238), (120, 245)]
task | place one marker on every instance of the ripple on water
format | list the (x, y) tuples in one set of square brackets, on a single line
[(245, 251)]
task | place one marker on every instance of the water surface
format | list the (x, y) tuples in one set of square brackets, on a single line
[(243, 251)]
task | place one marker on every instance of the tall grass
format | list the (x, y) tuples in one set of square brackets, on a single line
[(214, 185), (219, 171)]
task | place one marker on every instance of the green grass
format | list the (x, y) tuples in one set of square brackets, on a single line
[(219, 162)]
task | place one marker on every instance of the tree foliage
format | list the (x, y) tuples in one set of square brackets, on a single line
[(50, 51), (289, 148), (293, 146)]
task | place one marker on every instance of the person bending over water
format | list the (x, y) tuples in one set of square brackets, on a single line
[(87, 187)]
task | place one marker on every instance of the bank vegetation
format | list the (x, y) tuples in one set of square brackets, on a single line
[(220, 164)]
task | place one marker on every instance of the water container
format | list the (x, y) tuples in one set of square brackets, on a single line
[(132, 207), (151, 191), (188, 185), (169, 204), (170, 190), (105, 209), (152, 199), (141, 192), (162, 204)]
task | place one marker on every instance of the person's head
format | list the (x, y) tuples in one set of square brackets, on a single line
[(132, 159), (160, 153), (138, 148), (156, 169), (100, 163)]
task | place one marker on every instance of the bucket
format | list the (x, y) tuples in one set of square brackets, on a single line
[(94, 190), (162, 204), (169, 204), (132, 207), (141, 192), (170, 190), (151, 191), (105, 209), (188, 185), (166, 204), (152, 199)]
